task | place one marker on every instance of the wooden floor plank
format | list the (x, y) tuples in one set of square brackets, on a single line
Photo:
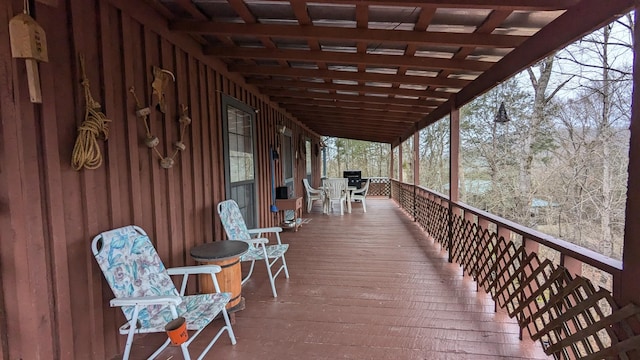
[(364, 286)]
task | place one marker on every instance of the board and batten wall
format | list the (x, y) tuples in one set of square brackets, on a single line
[(54, 302)]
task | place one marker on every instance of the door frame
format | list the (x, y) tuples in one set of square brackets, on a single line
[(227, 101)]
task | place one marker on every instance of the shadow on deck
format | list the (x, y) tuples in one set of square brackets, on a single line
[(364, 286)]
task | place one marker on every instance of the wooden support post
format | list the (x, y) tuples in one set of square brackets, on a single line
[(454, 151), (454, 158), (416, 158), (400, 161), (391, 160), (416, 171), (628, 288)]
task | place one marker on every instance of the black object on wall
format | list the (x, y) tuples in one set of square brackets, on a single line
[(282, 192)]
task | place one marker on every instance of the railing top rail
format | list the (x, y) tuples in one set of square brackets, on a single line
[(574, 251), (577, 252)]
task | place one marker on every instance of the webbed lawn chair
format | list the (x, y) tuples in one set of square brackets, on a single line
[(146, 294), (236, 229)]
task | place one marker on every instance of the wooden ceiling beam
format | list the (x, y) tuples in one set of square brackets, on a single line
[(340, 133), (242, 10), (285, 101), (300, 11), (352, 88), (345, 132), (325, 127), (522, 5), (347, 34), (378, 114), (347, 75), (342, 125), (418, 63), (492, 21), (346, 97), (376, 124)]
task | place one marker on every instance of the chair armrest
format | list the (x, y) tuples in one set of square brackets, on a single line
[(199, 269), (266, 230), (146, 300)]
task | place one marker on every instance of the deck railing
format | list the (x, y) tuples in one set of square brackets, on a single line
[(379, 186), (549, 298)]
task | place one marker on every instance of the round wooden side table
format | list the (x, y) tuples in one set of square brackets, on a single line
[(225, 254)]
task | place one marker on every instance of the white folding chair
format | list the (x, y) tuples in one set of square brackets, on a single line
[(236, 229), (146, 295)]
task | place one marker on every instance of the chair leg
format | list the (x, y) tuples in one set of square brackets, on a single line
[(364, 205), (161, 349), (246, 278), (284, 264), (271, 279), (227, 327), (132, 330), (185, 352)]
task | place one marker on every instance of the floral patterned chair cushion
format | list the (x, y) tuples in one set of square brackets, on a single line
[(236, 229), (133, 268)]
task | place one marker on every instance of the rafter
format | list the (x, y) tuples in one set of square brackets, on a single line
[(284, 101), (342, 87), (372, 114), (348, 75), (418, 63), (523, 5), (346, 97), (348, 34), (380, 129)]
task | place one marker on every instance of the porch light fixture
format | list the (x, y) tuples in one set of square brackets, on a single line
[(501, 115)]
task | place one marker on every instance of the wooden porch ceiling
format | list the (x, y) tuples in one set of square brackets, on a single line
[(379, 69)]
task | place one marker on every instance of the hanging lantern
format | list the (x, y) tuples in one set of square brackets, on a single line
[(501, 116)]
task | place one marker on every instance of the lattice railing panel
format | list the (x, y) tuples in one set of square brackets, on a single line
[(460, 236), (379, 186), (466, 243), (506, 272), (568, 315), (489, 245), (422, 214), (533, 280), (470, 256)]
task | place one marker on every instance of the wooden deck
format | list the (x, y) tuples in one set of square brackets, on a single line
[(365, 286)]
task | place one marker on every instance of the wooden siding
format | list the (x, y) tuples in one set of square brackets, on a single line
[(364, 286), (53, 299)]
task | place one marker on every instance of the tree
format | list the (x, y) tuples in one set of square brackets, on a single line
[(434, 156), (595, 121)]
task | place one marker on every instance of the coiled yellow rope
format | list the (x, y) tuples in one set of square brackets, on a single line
[(86, 152)]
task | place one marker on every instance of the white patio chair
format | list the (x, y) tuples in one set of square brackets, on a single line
[(146, 294), (361, 195), (312, 194), (335, 189), (236, 229)]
